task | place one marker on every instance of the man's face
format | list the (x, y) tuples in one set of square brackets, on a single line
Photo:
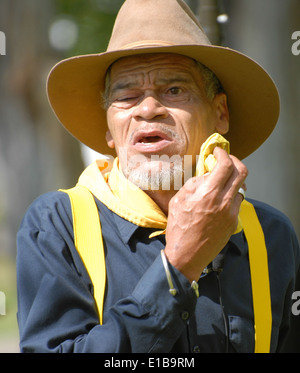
[(158, 109)]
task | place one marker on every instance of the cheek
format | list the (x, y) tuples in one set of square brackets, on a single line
[(192, 125), (198, 128), (118, 124)]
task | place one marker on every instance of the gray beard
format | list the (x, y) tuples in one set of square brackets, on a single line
[(161, 176), (160, 180)]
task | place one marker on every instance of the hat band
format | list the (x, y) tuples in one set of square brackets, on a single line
[(147, 44)]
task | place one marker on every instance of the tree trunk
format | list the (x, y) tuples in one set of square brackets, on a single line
[(36, 153)]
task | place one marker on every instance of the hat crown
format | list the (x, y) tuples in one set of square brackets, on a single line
[(142, 23)]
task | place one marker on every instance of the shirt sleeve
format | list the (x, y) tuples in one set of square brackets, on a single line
[(56, 309)]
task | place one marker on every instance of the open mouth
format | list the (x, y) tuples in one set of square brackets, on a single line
[(150, 139)]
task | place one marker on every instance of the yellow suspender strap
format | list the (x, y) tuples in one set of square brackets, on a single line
[(258, 260), (88, 240)]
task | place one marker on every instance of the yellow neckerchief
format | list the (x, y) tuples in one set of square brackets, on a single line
[(123, 197), (207, 161)]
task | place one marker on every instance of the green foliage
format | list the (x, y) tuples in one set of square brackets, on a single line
[(94, 19)]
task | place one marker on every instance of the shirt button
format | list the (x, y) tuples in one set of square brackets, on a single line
[(185, 315), (196, 349)]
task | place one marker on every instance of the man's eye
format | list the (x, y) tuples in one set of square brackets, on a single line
[(127, 98), (175, 91), (125, 101)]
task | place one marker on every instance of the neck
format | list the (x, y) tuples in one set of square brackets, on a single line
[(161, 198), (160, 183)]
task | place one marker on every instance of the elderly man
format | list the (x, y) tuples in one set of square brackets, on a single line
[(174, 253)]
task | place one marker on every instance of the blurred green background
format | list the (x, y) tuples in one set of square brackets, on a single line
[(36, 153)]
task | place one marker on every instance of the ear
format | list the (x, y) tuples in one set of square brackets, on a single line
[(222, 113), (109, 140)]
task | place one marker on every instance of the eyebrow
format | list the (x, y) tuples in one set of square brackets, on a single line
[(166, 81), (160, 81), (122, 85)]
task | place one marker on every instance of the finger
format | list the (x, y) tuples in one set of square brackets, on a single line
[(239, 173), (232, 191), (223, 169)]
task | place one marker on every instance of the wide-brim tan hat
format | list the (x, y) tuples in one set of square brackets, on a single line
[(75, 85)]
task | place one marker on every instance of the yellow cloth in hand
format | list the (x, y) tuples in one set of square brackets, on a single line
[(207, 160)]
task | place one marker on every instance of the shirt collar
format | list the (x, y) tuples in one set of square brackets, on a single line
[(240, 242), (125, 227)]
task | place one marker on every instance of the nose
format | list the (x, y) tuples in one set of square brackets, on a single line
[(149, 108)]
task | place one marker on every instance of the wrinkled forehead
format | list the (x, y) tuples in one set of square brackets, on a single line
[(161, 64)]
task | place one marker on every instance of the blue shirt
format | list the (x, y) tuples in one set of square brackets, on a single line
[(56, 309)]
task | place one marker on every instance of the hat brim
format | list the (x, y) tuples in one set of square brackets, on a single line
[(74, 89)]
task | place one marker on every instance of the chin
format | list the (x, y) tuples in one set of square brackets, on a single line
[(156, 174)]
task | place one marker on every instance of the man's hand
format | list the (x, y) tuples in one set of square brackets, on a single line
[(203, 215)]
